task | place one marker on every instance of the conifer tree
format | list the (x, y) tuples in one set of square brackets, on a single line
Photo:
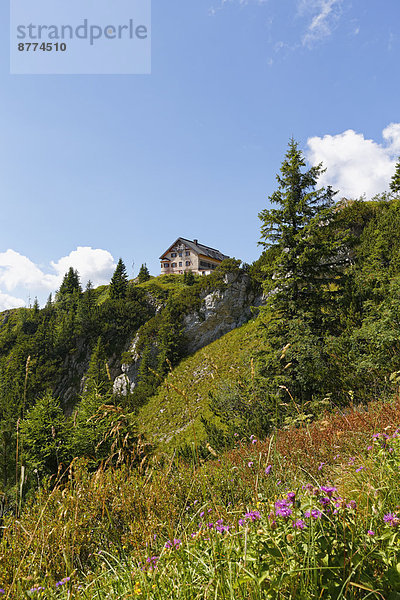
[(306, 259), (395, 182), (144, 274), (305, 255), (119, 282), (45, 436), (97, 375), (70, 290)]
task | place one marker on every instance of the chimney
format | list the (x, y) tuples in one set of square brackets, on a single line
[(196, 242)]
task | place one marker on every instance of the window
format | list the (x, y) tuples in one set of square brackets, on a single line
[(173, 254), (173, 265), (166, 266), (180, 253), (188, 263), (180, 264), (187, 253)]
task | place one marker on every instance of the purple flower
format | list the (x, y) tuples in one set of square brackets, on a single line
[(314, 513), (174, 544), (254, 441), (328, 490), (291, 497), (359, 469), (299, 524), (352, 504), (268, 470), (392, 519), (283, 503), (62, 582), (39, 588), (370, 532), (369, 448), (253, 515), (241, 522), (325, 500), (202, 514), (283, 512), (250, 464), (321, 466)]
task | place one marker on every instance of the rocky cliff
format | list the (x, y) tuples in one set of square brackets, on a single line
[(220, 311)]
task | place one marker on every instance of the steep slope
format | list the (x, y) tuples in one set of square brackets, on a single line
[(172, 417)]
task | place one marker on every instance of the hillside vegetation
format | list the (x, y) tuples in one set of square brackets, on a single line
[(264, 466)]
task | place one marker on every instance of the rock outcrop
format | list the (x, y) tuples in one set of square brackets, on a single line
[(220, 312)]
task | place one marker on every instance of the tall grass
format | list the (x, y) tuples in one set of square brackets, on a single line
[(307, 514)]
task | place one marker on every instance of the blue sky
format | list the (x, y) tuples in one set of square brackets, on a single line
[(93, 168)]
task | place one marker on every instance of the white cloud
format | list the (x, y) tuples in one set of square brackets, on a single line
[(94, 264), (356, 165), (7, 302), (18, 272), (223, 3), (325, 15)]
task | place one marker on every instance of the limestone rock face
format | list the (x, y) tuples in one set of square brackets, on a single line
[(126, 383), (220, 312)]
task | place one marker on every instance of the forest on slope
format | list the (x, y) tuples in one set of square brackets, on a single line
[(328, 336)]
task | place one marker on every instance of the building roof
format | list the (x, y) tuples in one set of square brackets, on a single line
[(198, 249)]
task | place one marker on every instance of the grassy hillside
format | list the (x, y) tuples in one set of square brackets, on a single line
[(172, 417)]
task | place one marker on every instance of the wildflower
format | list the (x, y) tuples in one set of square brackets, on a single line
[(369, 448), (328, 490), (250, 464), (308, 487), (174, 544), (299, 524), (152, 562), (324, 501), (220, 527), (241, 522), (254, 441), (314, 513), (359, 469), (321, 466), (284, 512), (352, 504), (252, 515), (370, 532), (268, 470), (202, 514), (291, 497), (63, 581), (37, 588), (392, 519)]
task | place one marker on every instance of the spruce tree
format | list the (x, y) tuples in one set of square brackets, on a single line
[(119, 282), (144, 274), (395, 182), (305, 255), (306, 260), (45, 435), (70, 290)]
